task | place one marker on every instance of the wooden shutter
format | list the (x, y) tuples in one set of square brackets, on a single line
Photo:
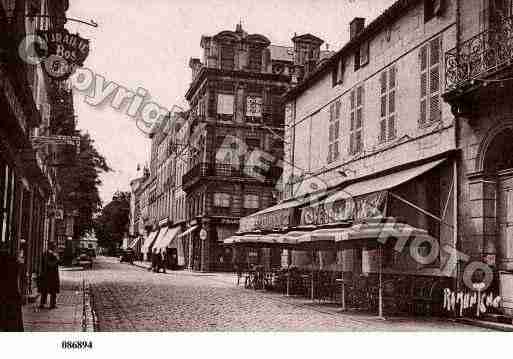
[(334, 75), (434, 80), (383, 113), (391, 102), (423, 61)]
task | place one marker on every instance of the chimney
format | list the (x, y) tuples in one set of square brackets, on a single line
[(356, 27)]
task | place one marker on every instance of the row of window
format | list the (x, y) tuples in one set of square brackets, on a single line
[(228, 52), (255, 109), (224, 200), (432, 9), (429, 103)]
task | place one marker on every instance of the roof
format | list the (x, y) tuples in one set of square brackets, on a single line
[(391, 14), (308, 37), (281, 53)]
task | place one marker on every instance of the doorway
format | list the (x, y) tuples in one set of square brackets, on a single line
[(505, 219)]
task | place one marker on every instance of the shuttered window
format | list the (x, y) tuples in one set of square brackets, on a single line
[(334, 132), (227, 57), (356, 120), (251, 201), (430, 78), (255, 58), (222, 200), (388, 90), (338, 73), (225, 107)]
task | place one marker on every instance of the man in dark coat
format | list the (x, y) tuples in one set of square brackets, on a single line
[(163, 260), (11, 318), (49, 282)]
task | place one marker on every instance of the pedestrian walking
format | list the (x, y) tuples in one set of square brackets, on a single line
[(155, 265), (11, 317), (49, 282), (163, 260)]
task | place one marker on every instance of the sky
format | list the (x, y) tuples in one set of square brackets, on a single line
[(149, 43)]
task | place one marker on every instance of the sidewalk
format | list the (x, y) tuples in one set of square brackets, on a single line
[(73, 312)]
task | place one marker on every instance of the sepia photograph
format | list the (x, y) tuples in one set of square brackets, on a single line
[(272, 167)]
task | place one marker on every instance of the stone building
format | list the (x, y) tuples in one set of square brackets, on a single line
[(27, 104), (371, 152), (478, 81), (236, 115)]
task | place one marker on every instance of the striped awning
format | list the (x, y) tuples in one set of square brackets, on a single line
[(187, 232), (148, 242)]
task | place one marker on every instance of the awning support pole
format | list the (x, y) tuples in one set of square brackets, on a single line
[(380, 294), (288, 281), (312, 279), (421, 210), (343, 294)]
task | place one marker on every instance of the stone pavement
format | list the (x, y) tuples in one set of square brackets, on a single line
[(130, 298), (69, 314)]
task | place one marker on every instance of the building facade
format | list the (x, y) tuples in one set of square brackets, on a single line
[(27, 178), (236, 117), (370, 145), (477, 86)]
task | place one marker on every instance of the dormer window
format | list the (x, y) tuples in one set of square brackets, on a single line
[(361, 56), (338, 72), (432, 8), (227, 57), (255, 58)]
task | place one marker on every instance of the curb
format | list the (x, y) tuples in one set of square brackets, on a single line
[(88, 314), (486, 324)]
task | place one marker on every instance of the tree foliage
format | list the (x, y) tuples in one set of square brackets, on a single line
[(112, 224), (79, 184)]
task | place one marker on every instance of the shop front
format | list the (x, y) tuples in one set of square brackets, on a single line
[(147, 246), (381, 236)]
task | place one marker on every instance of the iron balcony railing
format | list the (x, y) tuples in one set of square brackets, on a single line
[(480, 56), (230, 171)]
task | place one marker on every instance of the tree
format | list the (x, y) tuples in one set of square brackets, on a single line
[(79, 183), (112, 224)]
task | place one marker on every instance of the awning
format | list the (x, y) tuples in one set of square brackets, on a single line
[(189, 231), (383, 183), (362, 200), (134, 242), (291, 238), (325, 235), (149, 241), (278, 216), (158, 240), (365, 233), (251, 239), (384, 230), (167, 238)]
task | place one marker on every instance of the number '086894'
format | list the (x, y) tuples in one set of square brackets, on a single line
[(76, 345)]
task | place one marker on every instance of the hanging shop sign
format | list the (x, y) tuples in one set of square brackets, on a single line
[(344, 210), (63, 53)]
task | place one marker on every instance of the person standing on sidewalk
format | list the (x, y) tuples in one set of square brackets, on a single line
[(11, 317), (163, 260), (49, 282)]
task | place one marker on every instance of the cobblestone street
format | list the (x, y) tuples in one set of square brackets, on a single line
[(130, 298)]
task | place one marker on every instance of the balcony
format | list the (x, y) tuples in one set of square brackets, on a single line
[(228, 171), (480, 57)]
